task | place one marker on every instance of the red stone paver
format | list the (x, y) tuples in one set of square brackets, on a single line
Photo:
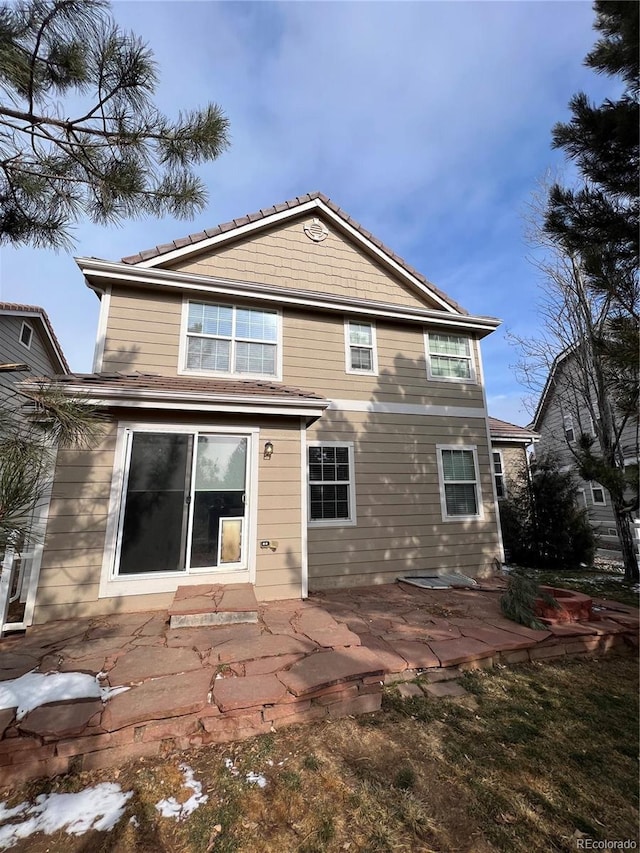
[(211, 637), (151, 662), (391, 660), (452, 652), (496, 638), (320, 627), (265, 645), (417, 655), (60, 719), (7, 715), (231, 694), (15, 664), (445, 690), (513, 627), (169, 696), (264, 665), (324, 669)]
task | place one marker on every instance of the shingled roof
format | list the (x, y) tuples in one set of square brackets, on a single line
[(150, 382), (292, 204), (504, 430), (30, 310)]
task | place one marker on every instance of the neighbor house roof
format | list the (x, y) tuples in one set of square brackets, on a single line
[(38, 314), (504, 431), (151, 390), (297, 205)]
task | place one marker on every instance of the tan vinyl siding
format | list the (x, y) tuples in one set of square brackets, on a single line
[(143, 332), (286, 257), (75, 537), (399, 518), (314, 359), (514, 462)]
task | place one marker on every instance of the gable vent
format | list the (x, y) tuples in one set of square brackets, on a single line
[(316, 231)]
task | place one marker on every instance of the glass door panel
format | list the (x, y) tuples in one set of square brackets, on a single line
[(155, 521), (219, 493)]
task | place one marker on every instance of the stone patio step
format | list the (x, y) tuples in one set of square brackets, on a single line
[(213, 604)]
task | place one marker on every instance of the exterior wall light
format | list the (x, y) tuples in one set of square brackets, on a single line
[(268, 450)]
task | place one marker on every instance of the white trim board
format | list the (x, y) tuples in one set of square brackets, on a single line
[(101, 333), (99, 273), (406, 409)]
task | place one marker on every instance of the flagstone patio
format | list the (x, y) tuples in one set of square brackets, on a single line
[(302, 661)]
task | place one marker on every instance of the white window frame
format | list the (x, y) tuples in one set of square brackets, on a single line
[(603, 502), (500, 475), (334, 522), (347, 347), (567, 426), (30, 330), (472, 379), (441, 482), (183, 370), (582, 498), (111, 583)]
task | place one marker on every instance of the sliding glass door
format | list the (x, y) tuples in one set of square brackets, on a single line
[(184, 503)]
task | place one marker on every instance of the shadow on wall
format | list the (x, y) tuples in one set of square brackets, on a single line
[(399, 518)]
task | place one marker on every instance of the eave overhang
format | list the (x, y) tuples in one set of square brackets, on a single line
[(100, 274)]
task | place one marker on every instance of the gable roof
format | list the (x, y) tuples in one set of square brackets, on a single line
[(314, 201), (544, 397), (39, 315), (506, 432)]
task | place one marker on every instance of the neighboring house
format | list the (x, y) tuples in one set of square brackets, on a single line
[(561, 418), (509, 444), (28, 347), (216, 467)]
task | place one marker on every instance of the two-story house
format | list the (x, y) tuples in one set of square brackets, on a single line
[(509, 446), (562, 416), (290, 404)]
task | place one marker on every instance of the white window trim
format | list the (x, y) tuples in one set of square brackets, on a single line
[(352, 521), (471, 380), (112, 584), (441, 482), (182, 349), (31, 334), (582, 498), (505, 494), (347, 348), (603, 502)]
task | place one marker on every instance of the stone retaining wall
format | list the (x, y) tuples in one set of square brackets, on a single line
[(88, 737)]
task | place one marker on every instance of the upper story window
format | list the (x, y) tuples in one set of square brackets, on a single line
[(26, 335), (360, 347), (226, 339), (597, 495), (498, 473), (449, 357), (569, 432), (459, 482)]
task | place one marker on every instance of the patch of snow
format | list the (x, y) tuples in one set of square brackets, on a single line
[(256, 779), (179, 811), (40, 688), (231, 767), (98, 808), (133, 820)]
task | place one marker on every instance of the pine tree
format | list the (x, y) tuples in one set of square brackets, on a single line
[(596, 227), (117, 156)]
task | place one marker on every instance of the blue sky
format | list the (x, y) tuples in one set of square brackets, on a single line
[(429, 122)]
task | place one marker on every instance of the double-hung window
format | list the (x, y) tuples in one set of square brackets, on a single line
[(597, 495), (459, 483), (360, 347), (449, 357), (498, 473), (331, 484), (226, 339)]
